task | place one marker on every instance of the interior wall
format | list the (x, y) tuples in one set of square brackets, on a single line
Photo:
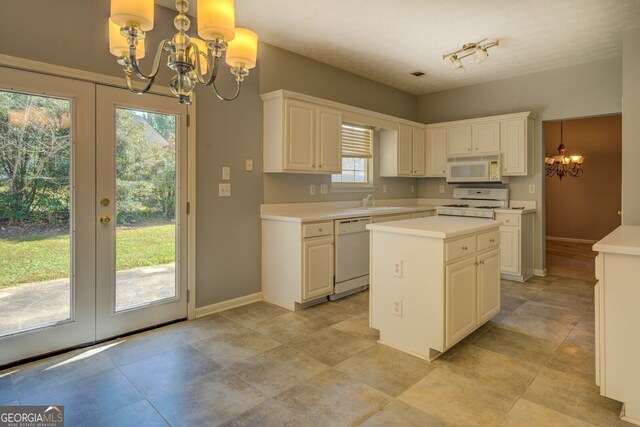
[(585, 208), (590, 89), (281, 69), (631, 127)]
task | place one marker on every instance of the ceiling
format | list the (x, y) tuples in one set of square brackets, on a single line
[(386, 40)]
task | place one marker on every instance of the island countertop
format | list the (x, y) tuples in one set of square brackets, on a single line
[(441, 227), (623, 240)]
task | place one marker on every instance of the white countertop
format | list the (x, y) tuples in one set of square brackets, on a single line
[(318, 213), (623, 240), (441, 227)]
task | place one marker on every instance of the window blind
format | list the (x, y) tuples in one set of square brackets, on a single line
[(357, 141)]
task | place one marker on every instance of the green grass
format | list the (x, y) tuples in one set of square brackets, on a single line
[(46, 257)]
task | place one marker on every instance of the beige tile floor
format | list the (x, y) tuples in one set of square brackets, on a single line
[(260, 365)]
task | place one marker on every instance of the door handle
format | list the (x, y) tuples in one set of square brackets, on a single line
[(105, 202), (619, 213), (105, 219)]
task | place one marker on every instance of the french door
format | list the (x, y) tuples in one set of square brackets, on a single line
[(92, 206), (141, 209)]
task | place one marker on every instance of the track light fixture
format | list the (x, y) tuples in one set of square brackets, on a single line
[(478, 49)]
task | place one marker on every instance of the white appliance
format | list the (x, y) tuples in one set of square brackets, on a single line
[(351, 257), (475, 169), (476, 202)]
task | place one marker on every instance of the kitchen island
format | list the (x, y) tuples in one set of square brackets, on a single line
[(617, 317), (433, 281)]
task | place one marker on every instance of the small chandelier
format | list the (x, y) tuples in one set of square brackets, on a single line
[(479, 49), (193, 60), (561, 164)]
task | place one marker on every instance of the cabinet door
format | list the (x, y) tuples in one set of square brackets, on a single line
[(436, 152), (513, 146), (317, 268), (419, 152), (510, 250), (460, 300), (459, 140), (405, 150), (299, 154), (488, 285), (486, 137), (328, 140)]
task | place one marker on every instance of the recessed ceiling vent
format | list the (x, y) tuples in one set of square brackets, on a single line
[(417, 73)]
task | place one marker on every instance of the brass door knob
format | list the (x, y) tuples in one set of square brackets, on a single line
[(105, 219), (619, 213), (104, 201)]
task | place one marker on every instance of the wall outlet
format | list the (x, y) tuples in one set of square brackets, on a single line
[(226, 173), (384, 188), (532, 188), (397, 307), (441, 189), (312, 190), (248, 165), (224, 190), (324, 188), (397, 269), (413, 188)]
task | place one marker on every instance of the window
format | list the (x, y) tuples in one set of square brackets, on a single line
[(357, 152)]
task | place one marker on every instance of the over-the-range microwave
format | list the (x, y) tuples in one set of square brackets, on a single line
[(475, 169)]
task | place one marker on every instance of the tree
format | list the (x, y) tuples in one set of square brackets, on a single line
[(35, 148)]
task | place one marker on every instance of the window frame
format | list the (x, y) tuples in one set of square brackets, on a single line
[(346, 186)]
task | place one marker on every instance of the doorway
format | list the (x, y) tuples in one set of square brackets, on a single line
[(92, 234), (579, 211)]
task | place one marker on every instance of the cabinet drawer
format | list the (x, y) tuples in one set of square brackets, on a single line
[(509, 220), (459, 248), (488, 240), (318, 229)]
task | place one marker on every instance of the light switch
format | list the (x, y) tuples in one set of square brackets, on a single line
[(224, 190), (248, 165), (532, 188), (226, 173)]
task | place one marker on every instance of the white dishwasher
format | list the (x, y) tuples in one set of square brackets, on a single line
[(351, 257)]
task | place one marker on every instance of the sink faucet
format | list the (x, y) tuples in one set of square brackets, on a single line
[(369, 198)]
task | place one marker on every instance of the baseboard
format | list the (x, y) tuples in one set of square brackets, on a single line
[(540, 272), (568, 239), (225, 305)]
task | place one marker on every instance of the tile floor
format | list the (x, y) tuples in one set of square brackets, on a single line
[(260, 365)]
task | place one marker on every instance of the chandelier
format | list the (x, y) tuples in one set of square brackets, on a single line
[(193, 60), (561, 164), (479, 49)]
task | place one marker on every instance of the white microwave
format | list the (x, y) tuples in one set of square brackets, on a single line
[(475, 169)]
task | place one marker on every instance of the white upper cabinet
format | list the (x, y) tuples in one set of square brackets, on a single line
[(403, 151), (437, 151), (301, 136), (511, 135), (328, 139), (459, 140), (516, 145), (486, 137)]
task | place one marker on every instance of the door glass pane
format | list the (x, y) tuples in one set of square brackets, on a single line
[(145, 208), (35, 200)]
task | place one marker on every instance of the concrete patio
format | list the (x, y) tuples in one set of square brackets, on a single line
[(36, 304)]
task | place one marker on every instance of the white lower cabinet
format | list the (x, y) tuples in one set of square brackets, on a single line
[(516, 245), (317, 267), (297, 262), (471, 293)]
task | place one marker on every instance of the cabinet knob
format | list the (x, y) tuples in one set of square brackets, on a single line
[(313, 165), (465, 248), (482, 262), (468, 149), (320, 230), (319, 166), (492, 240), (475, 263)]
